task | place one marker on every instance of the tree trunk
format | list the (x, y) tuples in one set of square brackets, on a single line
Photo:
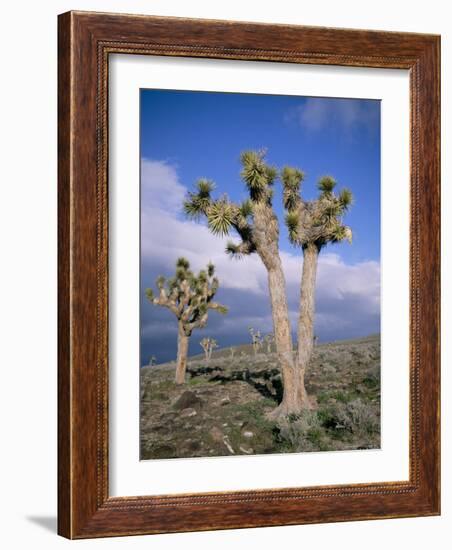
[(306, 318), (265, 234), (182, 352), (283, 341)]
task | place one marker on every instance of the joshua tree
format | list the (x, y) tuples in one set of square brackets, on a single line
[(269, 339), (255, 223), (312, 225), (256, 339), (189, 297), (208, 345), (152, 360)]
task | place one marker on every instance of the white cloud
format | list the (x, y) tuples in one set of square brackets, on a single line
[(315, 114), (337, 280), (160, 186), (166, 235)]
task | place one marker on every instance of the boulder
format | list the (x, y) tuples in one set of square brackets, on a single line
[(189, 411), (216, 434), (188, 399)]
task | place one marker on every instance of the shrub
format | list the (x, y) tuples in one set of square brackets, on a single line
[(357, 417), (300, 433)]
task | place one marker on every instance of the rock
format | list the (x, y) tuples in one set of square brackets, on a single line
[(225, 401), (169, 415), (216, 434), (247, 450), (159, 428), (188, 412), (191, 445), (248, 434), (163, 451), (228, 444), (187, 400)]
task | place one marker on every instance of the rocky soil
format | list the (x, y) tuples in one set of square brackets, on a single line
[(221, 410)]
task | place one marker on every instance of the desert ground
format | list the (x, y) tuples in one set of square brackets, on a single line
[(222, 408)]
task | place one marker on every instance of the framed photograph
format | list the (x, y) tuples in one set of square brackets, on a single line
[(248, 275)]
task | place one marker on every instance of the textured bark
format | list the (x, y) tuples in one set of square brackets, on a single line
[(206, 354), (283, 341), (266, 235), (306, 319), (182, 353)]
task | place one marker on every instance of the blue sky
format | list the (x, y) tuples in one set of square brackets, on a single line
[(188, 135)]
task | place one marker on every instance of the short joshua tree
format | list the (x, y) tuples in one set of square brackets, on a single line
[(269, 339), (256, 339), (152, 360), (312, 225), (208, 345), (189, 297)]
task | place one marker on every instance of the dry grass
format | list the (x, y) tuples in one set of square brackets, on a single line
[(231, 397)]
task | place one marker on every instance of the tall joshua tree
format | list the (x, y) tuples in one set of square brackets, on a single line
[(312, 225), (189, 297), (255, 223)]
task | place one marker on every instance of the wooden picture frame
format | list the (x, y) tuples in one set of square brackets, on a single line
[(85, 42)]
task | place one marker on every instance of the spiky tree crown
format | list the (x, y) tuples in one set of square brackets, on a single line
[(257, 175), (223, 215), (317, 222), (255, 334), (208, 343), (187, 295)]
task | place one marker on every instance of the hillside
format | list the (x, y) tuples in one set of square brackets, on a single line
[(221, 410)]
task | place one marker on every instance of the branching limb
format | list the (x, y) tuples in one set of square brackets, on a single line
[(238, 250)]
